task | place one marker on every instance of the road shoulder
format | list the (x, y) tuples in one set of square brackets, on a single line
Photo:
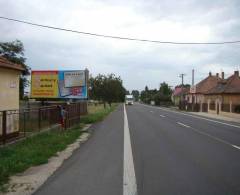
[(31, 179)]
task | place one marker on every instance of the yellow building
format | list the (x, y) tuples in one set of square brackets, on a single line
[(9, 95), (9, 84)]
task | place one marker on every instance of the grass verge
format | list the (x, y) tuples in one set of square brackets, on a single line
[(33, 151), (99, 115), (38, 149)]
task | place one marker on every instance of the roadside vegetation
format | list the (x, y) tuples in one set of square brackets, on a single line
[(106, 88), (36, 150), (97, 113), (33, 151), (160, 97)]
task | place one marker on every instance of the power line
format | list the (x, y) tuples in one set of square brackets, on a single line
[(118, 37)]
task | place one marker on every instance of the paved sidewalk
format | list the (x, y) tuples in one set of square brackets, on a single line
[(215, 116)]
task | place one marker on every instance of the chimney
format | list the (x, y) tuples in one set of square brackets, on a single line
[(210, 74), (222, 75), (236, 73), (217, 75)]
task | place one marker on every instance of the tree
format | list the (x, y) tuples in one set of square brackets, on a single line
[(127, 92), (14, 52), (184, 85), (165, 89), (107, 89), (146, 88), (161, 96), (135, 94), (96, 87)]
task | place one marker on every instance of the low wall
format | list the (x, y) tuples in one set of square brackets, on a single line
[(230, 114)]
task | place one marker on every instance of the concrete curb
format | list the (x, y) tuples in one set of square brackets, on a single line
[(30, 180)]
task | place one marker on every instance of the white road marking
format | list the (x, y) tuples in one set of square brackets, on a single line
[(162, 115), (215, 138), (223, 123), (151, 111), (203, 133), (236, 147), (183, 125), (129, 177)]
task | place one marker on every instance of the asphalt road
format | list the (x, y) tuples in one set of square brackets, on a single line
[(96, 167), (173, 153)]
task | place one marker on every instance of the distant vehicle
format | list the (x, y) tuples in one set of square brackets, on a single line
[(152, 103), (129, 99)]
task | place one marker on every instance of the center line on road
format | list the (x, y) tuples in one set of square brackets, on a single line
[(183, 124), (162, 115), (129, 177), (201, 132), (193, 116)]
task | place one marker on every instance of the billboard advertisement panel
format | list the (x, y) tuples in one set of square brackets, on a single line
[(59, 84)]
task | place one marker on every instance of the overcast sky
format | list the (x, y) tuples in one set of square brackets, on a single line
[(139, 64)]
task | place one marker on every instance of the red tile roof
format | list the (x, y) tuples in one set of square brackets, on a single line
[(229, 85), (178, 91), (4, 63), (207, 84)]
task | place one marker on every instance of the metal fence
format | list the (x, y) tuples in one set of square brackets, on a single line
[(15, 124)]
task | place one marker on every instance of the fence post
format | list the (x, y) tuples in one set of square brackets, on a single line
[(24, 123), (4, 126), (79, 113), (39, 119)]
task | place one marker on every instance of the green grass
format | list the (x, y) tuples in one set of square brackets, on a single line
[(33, 151), (38, 149), (98, 115)]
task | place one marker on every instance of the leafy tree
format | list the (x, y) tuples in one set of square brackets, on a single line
[(165, 89), (107, 88), (146, 88), (135, 94), (127, 92), (97, 87), (14, 52), (184, 85), (161, 96)]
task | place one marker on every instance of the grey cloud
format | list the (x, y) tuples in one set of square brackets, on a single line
[(138, 64)]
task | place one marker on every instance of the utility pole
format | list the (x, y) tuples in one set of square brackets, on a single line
[(192, 77), (182, 76), (192, 87)]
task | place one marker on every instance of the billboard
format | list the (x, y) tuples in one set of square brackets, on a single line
[(59, 84)]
